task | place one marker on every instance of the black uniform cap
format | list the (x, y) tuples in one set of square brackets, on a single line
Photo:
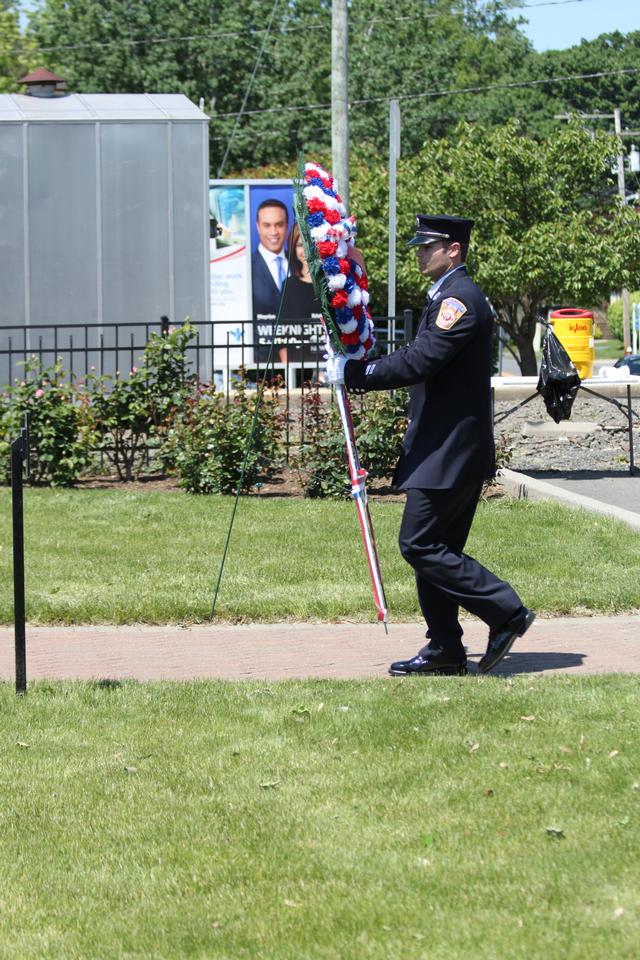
[(431, 229)]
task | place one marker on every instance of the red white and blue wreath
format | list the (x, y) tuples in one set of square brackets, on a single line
[(330, 236), (341, 285)]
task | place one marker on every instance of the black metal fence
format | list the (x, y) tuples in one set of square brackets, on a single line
[(215, 355)]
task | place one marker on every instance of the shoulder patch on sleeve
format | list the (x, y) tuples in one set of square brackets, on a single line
[(450, 312)]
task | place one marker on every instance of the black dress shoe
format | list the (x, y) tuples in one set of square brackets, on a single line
[(424, 666), (502, 640)]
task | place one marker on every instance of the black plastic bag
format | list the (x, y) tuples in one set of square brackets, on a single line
[(559, 380)]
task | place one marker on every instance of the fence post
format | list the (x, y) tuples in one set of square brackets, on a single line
[(408, 325), (164, 326), (19, 454)]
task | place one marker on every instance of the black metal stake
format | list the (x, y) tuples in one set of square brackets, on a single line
[(628, 411), (630, 420), (407, 316), (19, 453)]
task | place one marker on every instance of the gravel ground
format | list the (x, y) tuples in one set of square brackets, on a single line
[(608, 449)]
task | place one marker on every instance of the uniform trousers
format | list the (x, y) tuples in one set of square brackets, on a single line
[(435, 526)]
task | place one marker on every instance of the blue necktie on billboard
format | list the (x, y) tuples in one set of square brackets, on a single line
[(281, 272)]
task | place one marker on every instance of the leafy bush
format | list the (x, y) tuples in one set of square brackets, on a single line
[(210, 439), (614, 315), (380, 424), (61, 433), (320, 461), (130, 415), (379, 421)]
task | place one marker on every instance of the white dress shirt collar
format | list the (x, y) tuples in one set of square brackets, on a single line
[(433, 289), (269, 255)]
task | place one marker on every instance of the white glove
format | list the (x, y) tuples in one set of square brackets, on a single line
[(334, 369)]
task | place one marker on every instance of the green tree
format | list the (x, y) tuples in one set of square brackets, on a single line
[(614, 314), (16, 50), (405, 48), (550, 228), (204, 49), (419, 53), (613, 54), (129, 46)]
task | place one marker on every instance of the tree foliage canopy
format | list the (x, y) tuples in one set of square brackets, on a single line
[(550, 228), (479, 130), (447, 61), (16, 51)]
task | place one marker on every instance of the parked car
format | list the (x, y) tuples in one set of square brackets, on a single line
[(632, 361)]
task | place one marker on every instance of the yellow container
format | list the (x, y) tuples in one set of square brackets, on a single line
[(574, 330)]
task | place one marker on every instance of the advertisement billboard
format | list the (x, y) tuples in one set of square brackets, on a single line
[(262, 301)]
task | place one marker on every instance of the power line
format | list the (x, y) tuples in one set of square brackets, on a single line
[(324, 123), (227, 34), (547, 3), (224, 35), (513, 84)]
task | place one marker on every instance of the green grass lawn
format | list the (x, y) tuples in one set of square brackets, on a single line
[(471, 818), (609, 349), (119, 556)]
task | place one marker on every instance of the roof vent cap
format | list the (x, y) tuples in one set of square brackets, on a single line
[(43, 83)]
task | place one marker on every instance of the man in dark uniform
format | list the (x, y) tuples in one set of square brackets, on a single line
[(447, 453)]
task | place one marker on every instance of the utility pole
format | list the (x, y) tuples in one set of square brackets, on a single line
[(394, 154), (340, 96), (626, 308), (617, 123)]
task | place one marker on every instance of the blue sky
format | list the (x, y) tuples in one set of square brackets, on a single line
[(561, 25)]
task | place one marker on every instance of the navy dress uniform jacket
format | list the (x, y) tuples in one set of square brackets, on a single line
[(449, 440)]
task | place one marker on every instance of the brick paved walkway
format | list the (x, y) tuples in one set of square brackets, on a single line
[(580, 645)]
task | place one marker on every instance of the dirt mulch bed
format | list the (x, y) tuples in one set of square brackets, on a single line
[(146, 484), (286, 483)]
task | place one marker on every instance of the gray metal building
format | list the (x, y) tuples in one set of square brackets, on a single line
[(104, 213)]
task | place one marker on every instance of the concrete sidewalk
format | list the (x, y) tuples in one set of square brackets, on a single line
[(618, 489), (616, 496), (285, 651)]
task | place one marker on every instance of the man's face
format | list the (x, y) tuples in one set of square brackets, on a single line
[(434, 259), (272, 224)]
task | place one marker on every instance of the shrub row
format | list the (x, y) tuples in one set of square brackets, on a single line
[(216, 446), (379, 421), (161, 411), (614, 314), (121, 419)]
